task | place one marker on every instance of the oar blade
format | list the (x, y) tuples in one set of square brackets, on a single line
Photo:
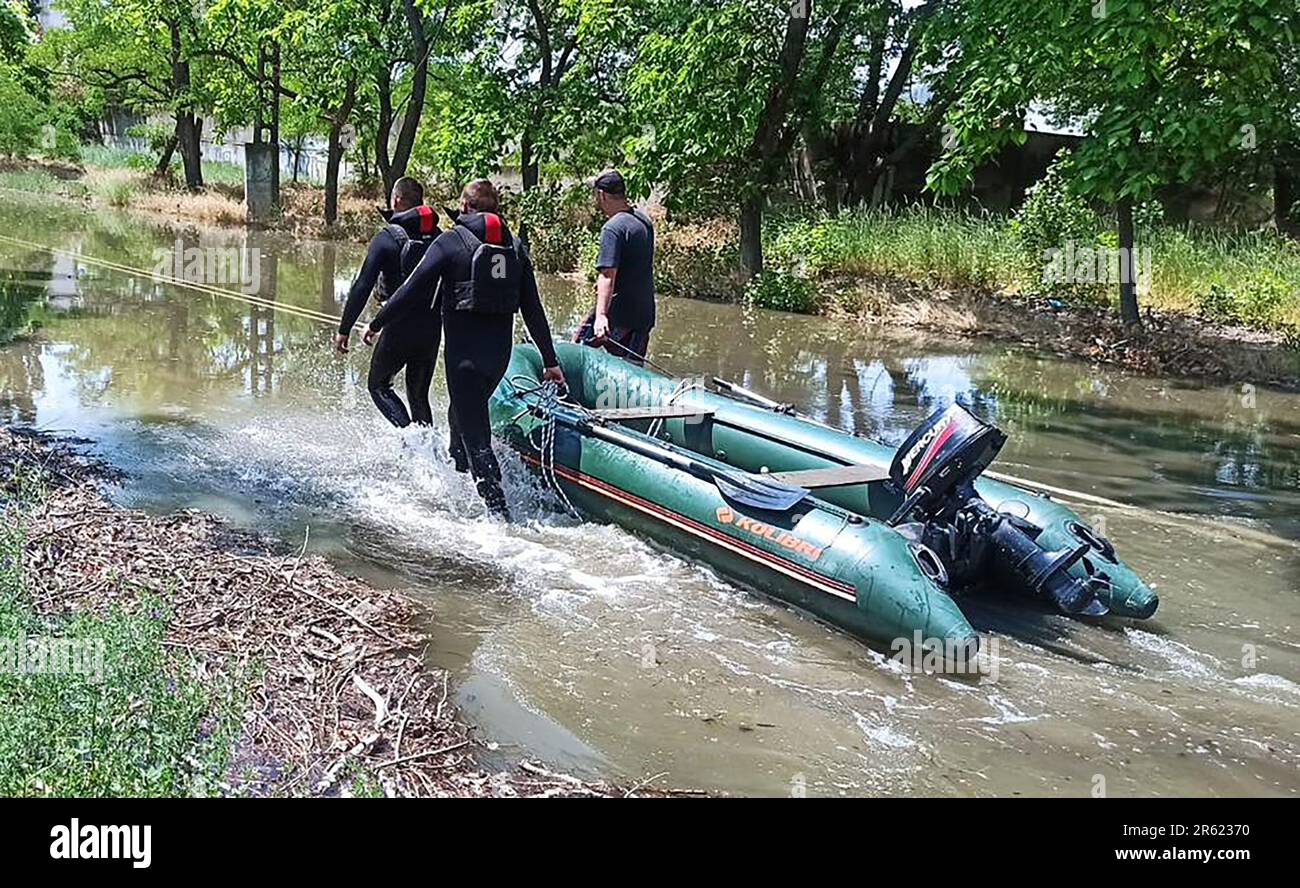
[(758, 493)]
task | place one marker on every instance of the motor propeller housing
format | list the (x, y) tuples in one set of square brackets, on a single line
[(934, 471)]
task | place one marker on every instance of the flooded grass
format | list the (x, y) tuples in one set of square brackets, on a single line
[(94, 703)]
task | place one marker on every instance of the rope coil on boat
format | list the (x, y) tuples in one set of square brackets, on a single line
[(546, 396)]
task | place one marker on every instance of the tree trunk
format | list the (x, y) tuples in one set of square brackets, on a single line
[(528, 165), (335, 155), (1128, 303), (188, 128), (189, 136), (384, 129), (1286, 191), (751, 236), (419, 84), (332, 159), (275, 122), (165, 159)]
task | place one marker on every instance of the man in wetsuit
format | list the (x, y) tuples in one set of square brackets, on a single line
[(413, 344), (625, 285), (478, 324)]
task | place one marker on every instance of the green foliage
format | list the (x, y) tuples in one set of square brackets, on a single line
[(20, 117), (17, 30), (152, 725), (1053, 214), (683, 84), (1256, 301), (782, 291), (562, 227), (1052, 218), (468, 122), (1165, 89)]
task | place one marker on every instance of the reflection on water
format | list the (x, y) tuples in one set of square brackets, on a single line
[(582, 645)]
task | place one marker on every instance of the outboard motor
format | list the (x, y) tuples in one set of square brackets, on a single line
[(934, 471)]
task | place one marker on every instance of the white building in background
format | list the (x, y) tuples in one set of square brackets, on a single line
[(48, 16)]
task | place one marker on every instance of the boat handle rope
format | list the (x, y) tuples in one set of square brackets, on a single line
[(546, 399)]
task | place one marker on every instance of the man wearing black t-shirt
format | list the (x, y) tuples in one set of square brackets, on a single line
[(625, 286)]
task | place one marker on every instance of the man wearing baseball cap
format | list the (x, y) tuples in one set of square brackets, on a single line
[(625, 289)]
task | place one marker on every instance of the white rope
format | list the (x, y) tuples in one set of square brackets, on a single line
[(547, 398)]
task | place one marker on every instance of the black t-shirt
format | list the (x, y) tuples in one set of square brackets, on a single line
[(627, 243)]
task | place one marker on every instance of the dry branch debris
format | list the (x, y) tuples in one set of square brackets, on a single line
[(342, 679)]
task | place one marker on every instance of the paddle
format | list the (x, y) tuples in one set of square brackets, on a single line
[(754, 491)]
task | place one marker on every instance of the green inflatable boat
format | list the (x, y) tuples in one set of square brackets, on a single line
[(880, 542)]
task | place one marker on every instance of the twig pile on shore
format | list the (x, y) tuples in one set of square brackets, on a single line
[(343, 690)]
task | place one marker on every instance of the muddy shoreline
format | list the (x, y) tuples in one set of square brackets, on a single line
[(1169, 343), (342, 685)]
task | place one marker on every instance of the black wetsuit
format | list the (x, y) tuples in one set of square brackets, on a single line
[(477, 347), (413, 342)]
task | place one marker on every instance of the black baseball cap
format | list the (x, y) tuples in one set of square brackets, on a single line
[(610, 182)]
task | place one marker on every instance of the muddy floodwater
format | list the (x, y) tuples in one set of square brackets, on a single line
[(582, 646)]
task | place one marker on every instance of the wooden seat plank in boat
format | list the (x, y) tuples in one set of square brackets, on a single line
[(832, 476)]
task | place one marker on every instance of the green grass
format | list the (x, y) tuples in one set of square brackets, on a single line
[(151, 725), (921, 243), (116, 192), (1248, 277), (40, 181), (111, 158), (214, 171)]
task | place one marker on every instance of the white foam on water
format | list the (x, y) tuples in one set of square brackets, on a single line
[(887, 735), (1179, 659), (1007, 713), (1266, 681)]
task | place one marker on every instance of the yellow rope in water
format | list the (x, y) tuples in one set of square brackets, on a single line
[(308, 313)]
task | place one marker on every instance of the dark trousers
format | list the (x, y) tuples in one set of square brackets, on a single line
[(628, 343), (411, 343), (476, 353)]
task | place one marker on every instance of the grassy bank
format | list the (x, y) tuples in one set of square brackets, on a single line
[(94, 703), (106, 179), (1246, 277), (835, 264)]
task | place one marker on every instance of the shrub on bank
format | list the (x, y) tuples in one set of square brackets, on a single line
[(561, 230), (699, 260), (782, 291), (20, 118)]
